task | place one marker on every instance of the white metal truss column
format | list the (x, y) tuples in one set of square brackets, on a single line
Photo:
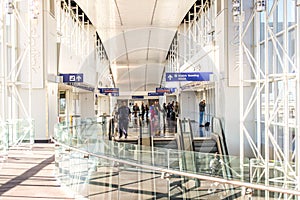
[(269, 115), (17, 57)]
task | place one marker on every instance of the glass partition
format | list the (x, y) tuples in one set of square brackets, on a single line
[(95, 167), (16, 133)]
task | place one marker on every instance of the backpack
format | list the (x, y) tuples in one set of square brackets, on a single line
[(207, 124)]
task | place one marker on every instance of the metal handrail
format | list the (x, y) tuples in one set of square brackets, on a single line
[(186, 174), (221, 135)]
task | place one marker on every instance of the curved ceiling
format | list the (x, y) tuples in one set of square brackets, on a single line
[(136, 35)]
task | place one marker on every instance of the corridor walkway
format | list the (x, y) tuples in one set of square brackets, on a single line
[(29, 174)]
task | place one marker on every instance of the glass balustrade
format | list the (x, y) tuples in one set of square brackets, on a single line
[(94, 167), (16, 133)]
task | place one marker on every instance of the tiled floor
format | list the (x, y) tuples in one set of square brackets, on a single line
[(29, 174)]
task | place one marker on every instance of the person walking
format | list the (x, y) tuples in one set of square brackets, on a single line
[(201, 110), (124, 115), (143, 111)]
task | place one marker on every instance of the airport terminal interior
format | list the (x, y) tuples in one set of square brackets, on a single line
[(150, 99)]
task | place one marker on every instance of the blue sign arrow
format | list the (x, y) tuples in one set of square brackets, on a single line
[(72, 78), (187, 76)]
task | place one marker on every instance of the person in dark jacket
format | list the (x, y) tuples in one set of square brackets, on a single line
[(201, 110), (124, 115)]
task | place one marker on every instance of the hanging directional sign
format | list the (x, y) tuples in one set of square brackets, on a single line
[(112, 91), (137, 97), (72, 78), (187, 76), (163, 90), (155, 94)]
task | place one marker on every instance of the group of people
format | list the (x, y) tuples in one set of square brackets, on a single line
[(169, 112), (155, 114)]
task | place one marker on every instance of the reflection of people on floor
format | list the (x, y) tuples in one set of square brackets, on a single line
[(216, 165)]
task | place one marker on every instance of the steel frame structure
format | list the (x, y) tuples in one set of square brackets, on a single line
[(74, 28), (75, 32), (269, 107), (14, 59), (194, 34), (197, 32), (198, 29)]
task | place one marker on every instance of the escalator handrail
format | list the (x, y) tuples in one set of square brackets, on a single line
[(221, 135)]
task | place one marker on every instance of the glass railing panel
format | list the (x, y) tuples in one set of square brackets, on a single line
[(189, 161), (79, 173), (110, 162), (20, 131), (73, 170), (3, 138), (62, 163)]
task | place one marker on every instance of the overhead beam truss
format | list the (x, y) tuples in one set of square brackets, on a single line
[(196, 31), (77, 34)]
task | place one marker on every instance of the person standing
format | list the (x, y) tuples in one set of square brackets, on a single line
[(147, 113), (201, 110), (143, 110), (123, 114), (136, 111)]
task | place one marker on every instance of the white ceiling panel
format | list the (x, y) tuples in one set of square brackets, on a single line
[(138, 57), (138, 72), (122, 60), (138, 34), (157, 56), (137, 39), (122, 74), (136, 13), (170, 13), (161, 38), (154, 73), (115, 47)]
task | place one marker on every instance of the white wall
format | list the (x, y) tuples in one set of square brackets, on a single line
[(189, 105), (87, 104), (52, 114)]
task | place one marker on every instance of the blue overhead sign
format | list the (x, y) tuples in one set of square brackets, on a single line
[(163, 90), (72, 78), (112, 91), (155, 94), (137, 97), (187, 76)]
